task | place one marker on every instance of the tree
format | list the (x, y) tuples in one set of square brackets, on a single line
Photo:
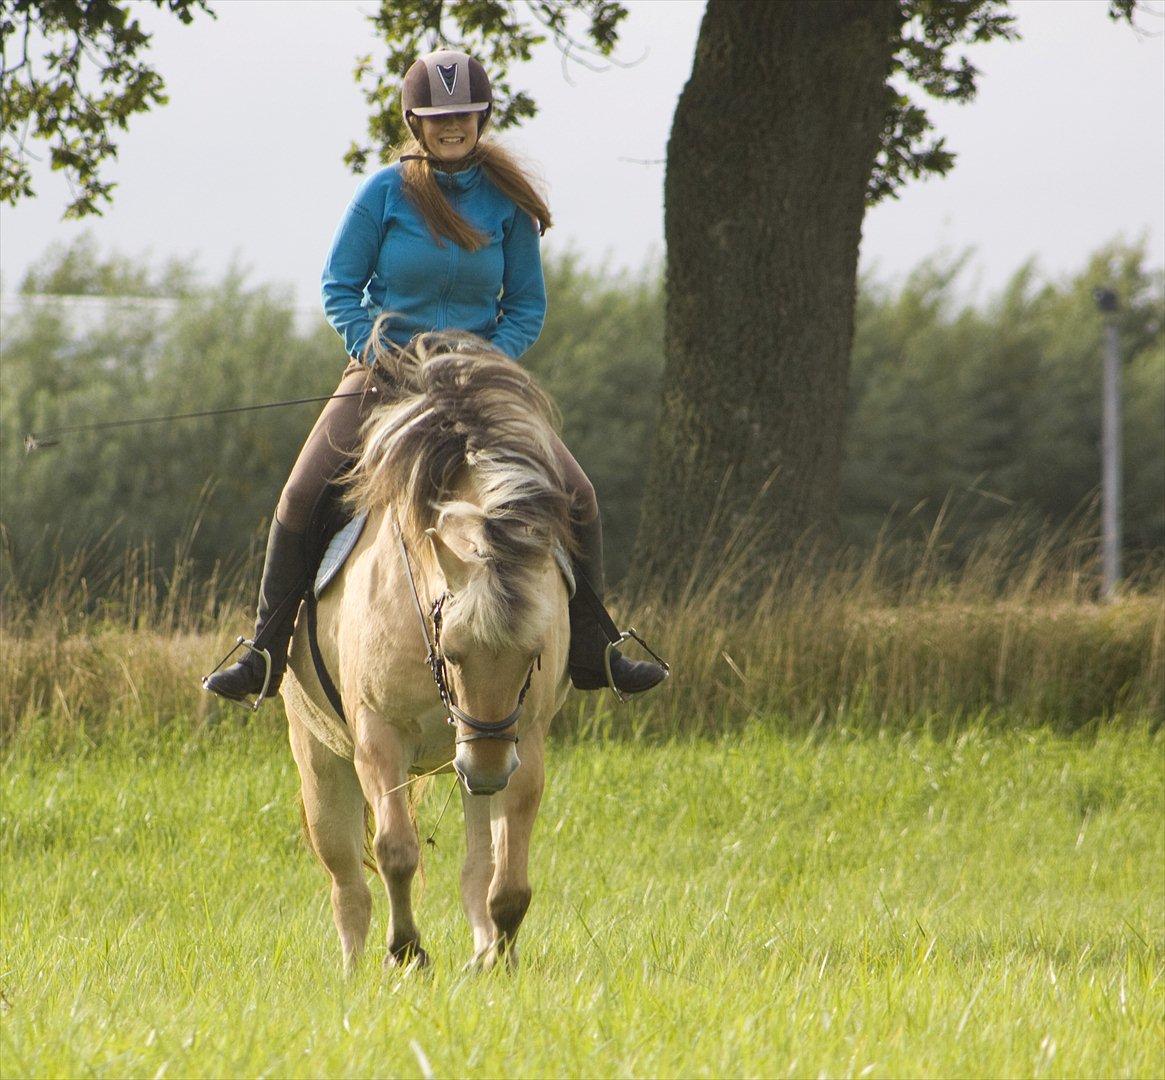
[(795, 118), (71, 73), (493, 31), (988, 416)]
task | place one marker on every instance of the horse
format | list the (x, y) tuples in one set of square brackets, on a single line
[(468, 518)]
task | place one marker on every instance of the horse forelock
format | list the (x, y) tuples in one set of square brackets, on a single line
[(470, 434)]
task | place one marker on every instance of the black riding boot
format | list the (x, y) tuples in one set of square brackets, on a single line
[(591, 627), (285, 580)]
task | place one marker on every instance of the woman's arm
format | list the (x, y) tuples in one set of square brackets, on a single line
[(523, 300), (350, 264)]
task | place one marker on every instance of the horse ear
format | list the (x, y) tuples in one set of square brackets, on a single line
[(453, 566)]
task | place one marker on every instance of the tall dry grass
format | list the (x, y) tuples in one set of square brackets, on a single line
[(1014, 631), (895, 638)]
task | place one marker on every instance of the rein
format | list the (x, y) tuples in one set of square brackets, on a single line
[(34, 441), (481, 729)]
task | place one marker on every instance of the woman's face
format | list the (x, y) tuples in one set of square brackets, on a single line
[(449, 137)]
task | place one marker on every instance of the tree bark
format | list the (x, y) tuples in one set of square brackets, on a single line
[(771, 148)]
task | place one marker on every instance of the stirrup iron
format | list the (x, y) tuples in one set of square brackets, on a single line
[(262, 695), (625, 635)]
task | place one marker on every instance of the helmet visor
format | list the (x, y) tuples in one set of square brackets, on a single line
[(446, 110)]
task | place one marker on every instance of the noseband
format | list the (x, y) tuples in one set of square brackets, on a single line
[(481, 729)]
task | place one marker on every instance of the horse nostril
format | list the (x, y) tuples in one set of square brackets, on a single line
[(511, 767)]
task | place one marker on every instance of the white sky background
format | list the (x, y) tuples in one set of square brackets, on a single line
[(1063, 150)]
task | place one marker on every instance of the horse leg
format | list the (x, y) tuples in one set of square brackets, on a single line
[(477, 871), (512, 813), (333, 808), (382, 765)]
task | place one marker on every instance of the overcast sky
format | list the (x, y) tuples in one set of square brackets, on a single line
[(1064, 148)]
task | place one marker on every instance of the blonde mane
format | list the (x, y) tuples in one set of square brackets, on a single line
[(469, 436)]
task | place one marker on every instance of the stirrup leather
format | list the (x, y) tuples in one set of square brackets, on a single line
[(262, 695), (625, 635)]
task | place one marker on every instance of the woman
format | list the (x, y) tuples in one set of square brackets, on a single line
[(436, 238)]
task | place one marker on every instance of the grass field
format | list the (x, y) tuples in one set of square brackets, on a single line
[(831, 904)]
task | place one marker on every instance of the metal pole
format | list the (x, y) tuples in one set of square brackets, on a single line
[(1110, 448)]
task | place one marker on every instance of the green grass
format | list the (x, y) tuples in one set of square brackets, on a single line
[(837, 904)]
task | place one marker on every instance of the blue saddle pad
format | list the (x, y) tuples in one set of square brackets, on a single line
[(337, 552)]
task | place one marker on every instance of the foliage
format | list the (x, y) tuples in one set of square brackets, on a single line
[(494, 31), (204, 487), (976, 413), (56, 51), (80, 269), (930, 57), (600, 356), (73, 72), (200, 487), (999, 405), (766, 905)]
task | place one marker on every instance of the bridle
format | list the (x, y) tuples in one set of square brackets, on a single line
[(481, 729)]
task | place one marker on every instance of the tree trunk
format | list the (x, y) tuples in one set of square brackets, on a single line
[(772, 145)]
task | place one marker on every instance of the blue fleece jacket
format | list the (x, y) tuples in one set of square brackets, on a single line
[(383, 258)]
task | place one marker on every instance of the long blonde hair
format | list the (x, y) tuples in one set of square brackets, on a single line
[(504, 170)]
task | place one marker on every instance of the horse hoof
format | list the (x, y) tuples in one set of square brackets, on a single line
[(492, 958), (409, 956), (481, 962)]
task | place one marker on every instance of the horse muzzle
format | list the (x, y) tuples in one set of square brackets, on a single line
[(486, 767)]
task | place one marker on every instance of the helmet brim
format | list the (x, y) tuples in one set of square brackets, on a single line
[(445, 110)]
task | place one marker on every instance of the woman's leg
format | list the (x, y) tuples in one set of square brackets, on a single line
[(590, 627), (333, 439), (588, 522)]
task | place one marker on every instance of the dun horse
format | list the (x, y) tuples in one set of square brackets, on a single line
[(466, 508)]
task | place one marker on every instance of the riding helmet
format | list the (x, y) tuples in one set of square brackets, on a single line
[(446, 81)]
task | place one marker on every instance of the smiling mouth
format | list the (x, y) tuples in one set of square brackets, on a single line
[(452, 140)]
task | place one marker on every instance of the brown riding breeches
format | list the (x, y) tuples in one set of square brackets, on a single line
[(335, 439)]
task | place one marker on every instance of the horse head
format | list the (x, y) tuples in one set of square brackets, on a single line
[(491, 621)]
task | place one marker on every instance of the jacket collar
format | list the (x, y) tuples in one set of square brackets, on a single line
[(462, 180)]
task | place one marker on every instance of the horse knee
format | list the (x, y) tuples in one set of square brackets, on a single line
[(507, 908), (397, 856), (341, 859)]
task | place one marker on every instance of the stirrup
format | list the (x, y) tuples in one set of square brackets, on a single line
[(262, 695), (624, 635)]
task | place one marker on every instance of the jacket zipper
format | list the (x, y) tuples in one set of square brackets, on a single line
[(450, 275)]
